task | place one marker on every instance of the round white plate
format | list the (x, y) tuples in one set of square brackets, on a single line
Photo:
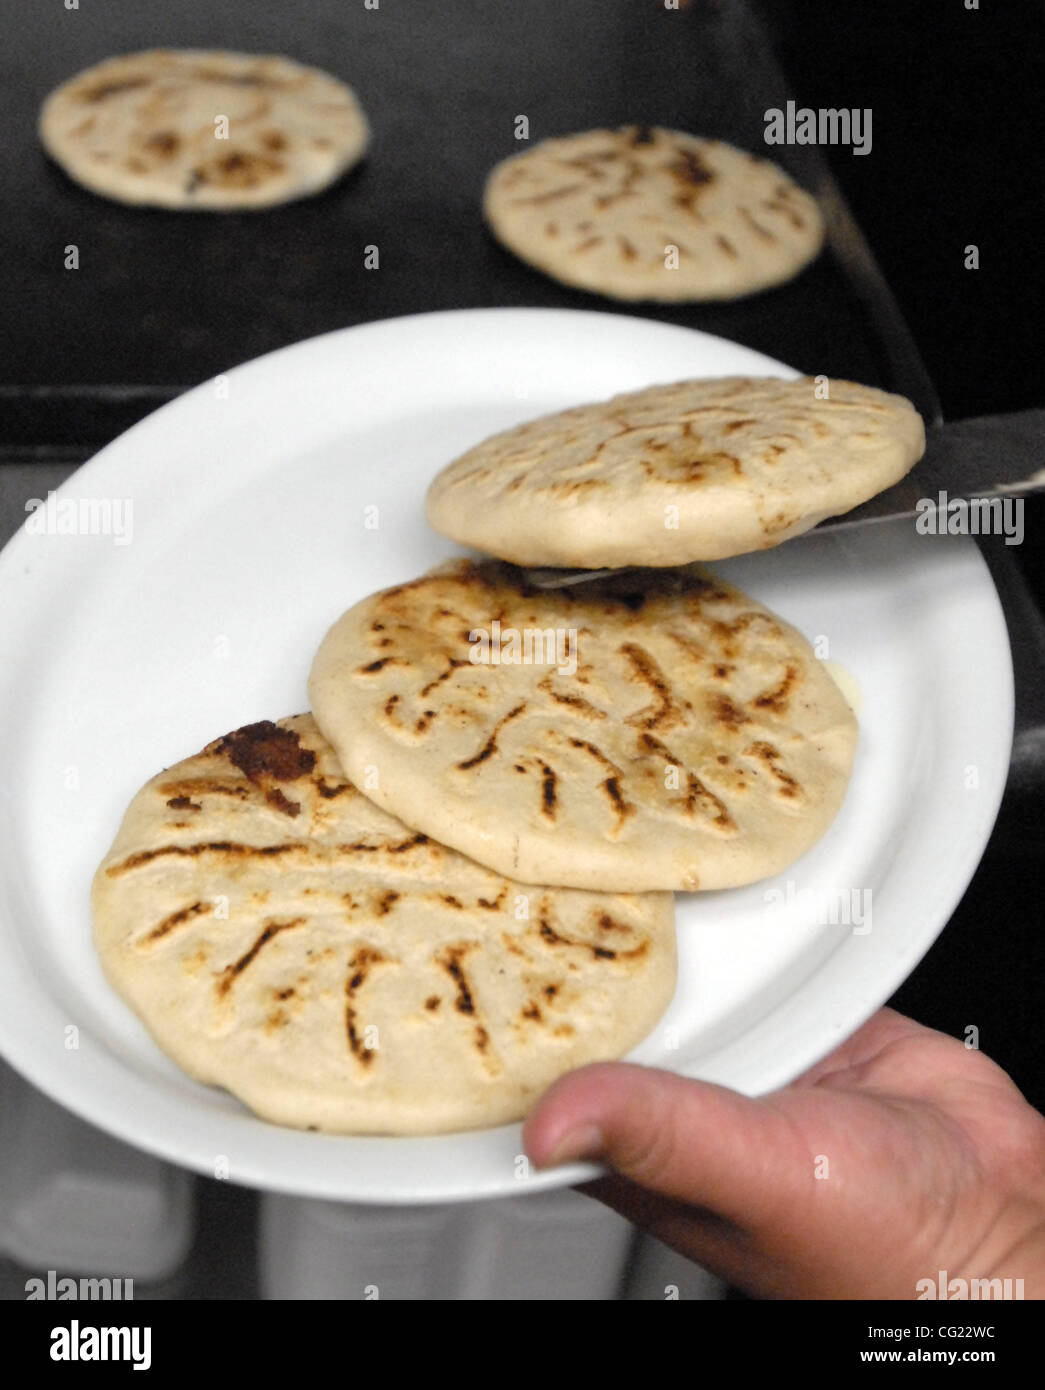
[(249, 535)]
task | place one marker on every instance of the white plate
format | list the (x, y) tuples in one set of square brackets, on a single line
[(249, 539)]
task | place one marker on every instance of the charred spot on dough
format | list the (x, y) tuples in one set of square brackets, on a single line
[(494, 904), (385, 902), (727, 714), (328, 792), (432, 1002), (549, 780), (690, 169), (273, 140), (164, 143), (608, 923), (182, 803), (282, 803), (265, 750)]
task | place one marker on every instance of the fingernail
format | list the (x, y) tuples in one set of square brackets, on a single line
[(583, 1142)]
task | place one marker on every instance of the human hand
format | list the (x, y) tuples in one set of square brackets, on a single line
[(929, 1159)]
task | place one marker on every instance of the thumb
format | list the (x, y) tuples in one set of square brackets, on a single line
[(689, 1141)]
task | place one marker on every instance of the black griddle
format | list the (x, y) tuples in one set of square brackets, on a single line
[(164, 300)]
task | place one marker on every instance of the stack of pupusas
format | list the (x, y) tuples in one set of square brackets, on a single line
[(412, 910)]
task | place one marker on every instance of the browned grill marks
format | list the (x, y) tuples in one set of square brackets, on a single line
[(111, 89), (450, 960), (232, 972), (465, 1002), (697, 797), (283, 803), (756, 227), (177, 919), (490, 746), (432, 1002), (231, 847), (359, 967), (768, 756), (400, 847), (551, 196), (556, 938), (663, 711), (455, 663), (188, 787), (385, 902), (182, 803), (726, 246), (777, 698), (574, 702), (236, 79), (622, 808)]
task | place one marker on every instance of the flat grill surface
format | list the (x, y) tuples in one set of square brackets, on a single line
[(163, 300)]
